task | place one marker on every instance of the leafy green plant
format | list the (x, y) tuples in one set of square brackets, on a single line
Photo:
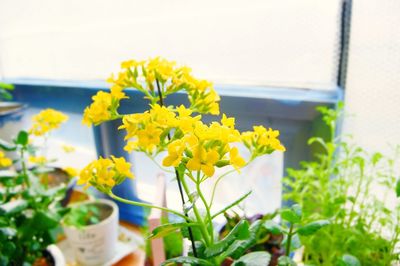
[(340, 185), (30, 211), (82, 215)]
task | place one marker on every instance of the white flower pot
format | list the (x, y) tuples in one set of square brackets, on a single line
[(57, 255), (95, 244)]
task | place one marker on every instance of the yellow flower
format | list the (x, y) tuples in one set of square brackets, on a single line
[(117, 93), (100, 110), (203, 160), (131, 63), (175, 151), (38, 159), (68, 149), (131, 146), (105, 173), (149, 138), (46, 121), (71, 172), (228, 122), (122, 167), (4, 161), (183, 111), (235, 159), (262, 141)]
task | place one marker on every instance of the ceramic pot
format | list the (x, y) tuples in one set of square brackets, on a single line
[(95, 244)]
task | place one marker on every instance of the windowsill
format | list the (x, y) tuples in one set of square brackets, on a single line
[(284, 94)]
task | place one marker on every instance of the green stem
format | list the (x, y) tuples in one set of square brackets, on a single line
[(24, 169), (158, 165), (220, 178), (236, 202), (358, 191), (289, 240), (209, 218), (141, 204), (203, 228)]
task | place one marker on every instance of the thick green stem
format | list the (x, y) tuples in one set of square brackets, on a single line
[(141, 204), (289, 240)]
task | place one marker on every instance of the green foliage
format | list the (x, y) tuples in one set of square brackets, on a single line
[(339, 186), (294, 218), (30, 213), (82, 215), (5, 91), (253, 259), (188, 260)]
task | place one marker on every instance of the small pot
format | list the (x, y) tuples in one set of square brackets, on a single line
[(52, 256), (95, 244)]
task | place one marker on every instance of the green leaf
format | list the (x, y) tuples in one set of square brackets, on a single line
[(253, 259), (22, 138), (13, 207), (236, 202), (189, 260), (6, 146), (285, 261), (240, 231), (398, 188), (6, 175), (166, 229), (239, 247), (8, 232), (6, 86), (348, 260), (312, 227), (45, 220), (292, 214), (273, 227)]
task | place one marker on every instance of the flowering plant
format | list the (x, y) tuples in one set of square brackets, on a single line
[(193, 149), (30, 209)]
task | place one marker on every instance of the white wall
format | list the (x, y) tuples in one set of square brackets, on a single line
[(259, 42)]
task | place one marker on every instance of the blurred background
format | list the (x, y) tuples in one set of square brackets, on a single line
[(272, 62)]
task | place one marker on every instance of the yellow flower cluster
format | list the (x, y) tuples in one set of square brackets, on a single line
[(4, 161), (190, 144), (38, 160), (46, 121), (105, 173), (262, 141), (148, 131), (198, 146), (146, 75), (203, 147), (104, 106)]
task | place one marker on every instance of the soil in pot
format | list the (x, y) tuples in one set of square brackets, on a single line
[(46, 260)]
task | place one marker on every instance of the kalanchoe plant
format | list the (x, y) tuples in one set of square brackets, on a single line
[(30, 211), (194, 150), (341, 185)]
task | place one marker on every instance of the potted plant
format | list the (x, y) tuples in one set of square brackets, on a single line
[(342, 185), (91, 229), (30, 211), (192, 149)]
